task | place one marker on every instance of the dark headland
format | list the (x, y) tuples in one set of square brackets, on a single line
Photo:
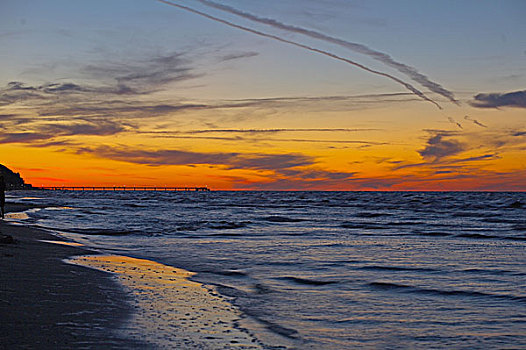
[(13, 180)]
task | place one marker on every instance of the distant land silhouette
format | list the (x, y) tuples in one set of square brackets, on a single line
[(13, 180)]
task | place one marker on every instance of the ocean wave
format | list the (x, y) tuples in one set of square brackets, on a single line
[(278, 329), (273, 326), (135, 205), (260, 288), (224, 234), (404, 223), (214, 225), (440, 292), (227, 225), (341, 262), (230, 291), (102, 232), (493, 272), (486, 236), (277, 218), (466, 214), (494, 220), (363, 225), (514, 238), (371, 215), (397, 268), (477, 236), (232, 273), (432, 233), (306, 281)]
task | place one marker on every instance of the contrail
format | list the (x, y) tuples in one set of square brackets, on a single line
[(312, 49), (453, 121), (360, 48), (467, 117)]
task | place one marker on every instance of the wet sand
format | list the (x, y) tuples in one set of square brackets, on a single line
[(116, 303), (47, 304), (173, 312)]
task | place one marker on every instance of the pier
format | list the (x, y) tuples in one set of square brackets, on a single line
[(123, 188)]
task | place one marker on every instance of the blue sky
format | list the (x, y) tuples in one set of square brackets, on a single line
[(470, 45), (94, 75)]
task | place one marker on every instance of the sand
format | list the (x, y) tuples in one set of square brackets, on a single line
[(172, 311), (47, 304), (48, 300)]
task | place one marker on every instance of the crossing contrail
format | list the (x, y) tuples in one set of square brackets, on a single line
[(476, 122), (306, 47), (411, 72), (453, 121)]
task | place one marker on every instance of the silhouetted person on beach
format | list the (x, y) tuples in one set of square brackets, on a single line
[(2, 195)]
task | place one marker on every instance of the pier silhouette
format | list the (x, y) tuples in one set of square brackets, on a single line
[(123, 188)]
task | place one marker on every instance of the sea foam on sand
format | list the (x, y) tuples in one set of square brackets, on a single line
[(171, 310)]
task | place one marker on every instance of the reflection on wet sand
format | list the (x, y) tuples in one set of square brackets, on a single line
[(71, 244), (17, 216), (171, 311)]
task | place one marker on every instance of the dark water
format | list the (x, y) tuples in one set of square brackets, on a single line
[(330, 270)]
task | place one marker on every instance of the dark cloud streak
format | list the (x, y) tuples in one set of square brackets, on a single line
[(233, 160), (476, 122), (261, 131), (437, 147), (496, 100), (43, 132), (236, 56)]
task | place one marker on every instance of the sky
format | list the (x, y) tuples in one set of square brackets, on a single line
[(265, 95)]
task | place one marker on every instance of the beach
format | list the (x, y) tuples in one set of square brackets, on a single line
[(48, 304), (56, 294), (271, 270)]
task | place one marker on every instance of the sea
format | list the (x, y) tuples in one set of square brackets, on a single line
[(326, 270)]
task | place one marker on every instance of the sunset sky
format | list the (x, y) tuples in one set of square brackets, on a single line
[(265, 95)]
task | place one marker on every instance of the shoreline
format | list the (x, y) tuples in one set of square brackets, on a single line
[(47, 304), (173, 312), (57, 295)]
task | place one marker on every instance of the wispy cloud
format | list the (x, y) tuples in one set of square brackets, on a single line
[(47, 114), (20, 92), (178, 157), (274, 131), (496, 100), (237, 56), (144, 76), (49, 131), (291, 168), (74, 99), (411, 72), (8, 116), (270, 140), (262, 135), (405, 84), (23, 137), (104, 81)]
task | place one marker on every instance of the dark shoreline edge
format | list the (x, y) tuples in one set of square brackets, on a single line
[(46, 303)]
